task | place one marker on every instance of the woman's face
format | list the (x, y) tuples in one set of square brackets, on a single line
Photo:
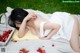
[(17, 23), (30, 21)]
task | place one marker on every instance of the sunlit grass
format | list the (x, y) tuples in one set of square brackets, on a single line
[(47, 6)]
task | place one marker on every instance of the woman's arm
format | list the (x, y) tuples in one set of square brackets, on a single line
[(54, 27), (23, 29)]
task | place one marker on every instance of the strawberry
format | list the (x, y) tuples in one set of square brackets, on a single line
[(3, 39), (43, 51), (24, 51), (9, 31), (40, 50), (14, 40), (52, 45), (20, 51)]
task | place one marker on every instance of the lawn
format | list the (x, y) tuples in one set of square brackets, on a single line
[(47, 6)]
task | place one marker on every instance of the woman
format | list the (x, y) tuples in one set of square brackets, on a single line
[(60, 25)]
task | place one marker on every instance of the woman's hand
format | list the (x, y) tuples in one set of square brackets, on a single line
[(30, 16), (44, 38)]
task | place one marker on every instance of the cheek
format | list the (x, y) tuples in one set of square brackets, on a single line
[(18, 25)]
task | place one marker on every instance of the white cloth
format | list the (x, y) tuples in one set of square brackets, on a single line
[(60, 46), (36, 44), (64, 20)]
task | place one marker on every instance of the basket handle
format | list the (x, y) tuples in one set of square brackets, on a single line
[(4, 19)]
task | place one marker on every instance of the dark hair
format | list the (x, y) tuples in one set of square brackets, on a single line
[(17, 14)]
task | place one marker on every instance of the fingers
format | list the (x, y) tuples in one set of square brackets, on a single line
[(30, 16)]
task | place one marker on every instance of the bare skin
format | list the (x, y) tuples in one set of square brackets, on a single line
[(75, 35), (33, 25)]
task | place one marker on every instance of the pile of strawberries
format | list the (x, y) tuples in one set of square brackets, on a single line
[(5, 35)]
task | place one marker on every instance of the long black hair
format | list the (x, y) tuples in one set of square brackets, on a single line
[(18, 14)]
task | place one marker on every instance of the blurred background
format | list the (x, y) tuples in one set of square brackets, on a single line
[(47, 6)]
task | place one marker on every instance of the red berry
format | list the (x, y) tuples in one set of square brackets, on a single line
[(14, 40), (5, 31), (20, 51), (24, 50), (3, 39), (43, 51), (40, 50), (9, 31), (52, 45)]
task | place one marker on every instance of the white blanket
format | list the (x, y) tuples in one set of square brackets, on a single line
[(61, 45)]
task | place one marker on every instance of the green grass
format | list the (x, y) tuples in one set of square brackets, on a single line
[(47, 6)]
